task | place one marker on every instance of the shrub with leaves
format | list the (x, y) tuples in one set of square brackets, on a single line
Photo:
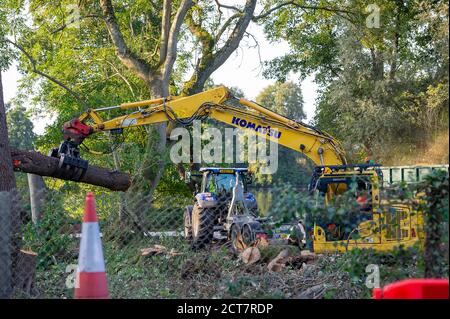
[(436, 206), (53, 237)]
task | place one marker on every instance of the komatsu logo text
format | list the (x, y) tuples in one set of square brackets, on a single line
[(260, 129)]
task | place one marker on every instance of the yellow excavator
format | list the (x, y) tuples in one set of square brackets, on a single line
[(385, 224)]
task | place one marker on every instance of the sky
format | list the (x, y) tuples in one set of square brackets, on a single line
[(242, 69), (10, 82)]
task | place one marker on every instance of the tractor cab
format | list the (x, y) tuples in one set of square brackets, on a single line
[(222, 180), (218, 183), (223, 201)]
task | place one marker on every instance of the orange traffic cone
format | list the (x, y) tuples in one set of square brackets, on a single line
[(91, 276)]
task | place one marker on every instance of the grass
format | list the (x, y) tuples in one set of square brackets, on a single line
[(436, 151), (210, 273), (216, 273)]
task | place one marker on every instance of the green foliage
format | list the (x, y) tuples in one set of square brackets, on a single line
[(436, 205), (292, 204), (283, 98), (393, 266), (21, 135), (20, 128), (380, 87), (288, 203), (10, 24), (52, 238)]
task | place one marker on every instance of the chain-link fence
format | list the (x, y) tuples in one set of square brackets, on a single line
[(217, 245), (150, 251)]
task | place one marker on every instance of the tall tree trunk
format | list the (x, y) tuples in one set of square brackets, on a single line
[(377, 64), (10, 214), (5, 246), (7, 178), (116, 160), (160, 89), (37, 195), (140, 196)]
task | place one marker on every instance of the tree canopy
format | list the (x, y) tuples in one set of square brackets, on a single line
[(383, 89)]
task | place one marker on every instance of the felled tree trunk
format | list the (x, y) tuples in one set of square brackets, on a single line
[(38, 164)]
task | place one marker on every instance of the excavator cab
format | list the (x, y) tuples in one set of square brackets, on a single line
[(368, 223), (358, 182)]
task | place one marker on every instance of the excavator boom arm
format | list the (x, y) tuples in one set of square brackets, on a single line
[(320, 147)]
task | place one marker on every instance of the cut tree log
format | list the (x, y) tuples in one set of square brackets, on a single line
[(35, 163)]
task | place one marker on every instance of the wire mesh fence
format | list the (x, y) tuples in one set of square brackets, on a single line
[(159, 246)]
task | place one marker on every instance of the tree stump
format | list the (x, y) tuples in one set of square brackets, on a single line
[(25, 273)]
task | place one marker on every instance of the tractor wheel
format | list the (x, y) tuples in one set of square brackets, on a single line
[(187, 218), (202, 226), (248, 236)]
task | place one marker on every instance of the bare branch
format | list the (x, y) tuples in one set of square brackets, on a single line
[(122, 77), (75, 21), (211, 63), (52, 79), (165, 28), (226, 25), (128, 58), (258, 47), (173, 38), (220, 5), (236, 36), (299, 5)]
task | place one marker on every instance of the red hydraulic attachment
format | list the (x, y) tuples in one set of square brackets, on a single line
[(76, 131), (414, 289), (71, 165)]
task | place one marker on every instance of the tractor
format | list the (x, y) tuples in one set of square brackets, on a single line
[(223, 207)]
